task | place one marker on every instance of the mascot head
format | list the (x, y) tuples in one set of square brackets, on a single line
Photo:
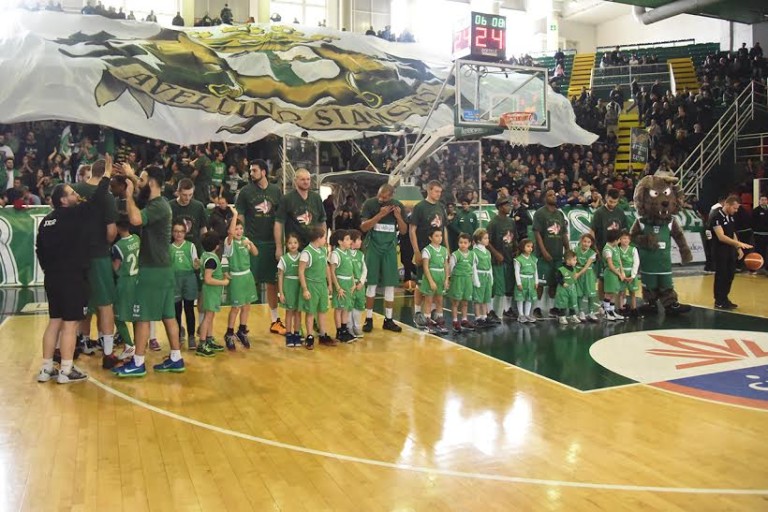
[(657, 198)]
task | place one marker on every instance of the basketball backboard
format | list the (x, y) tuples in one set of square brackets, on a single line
[(486, 92)]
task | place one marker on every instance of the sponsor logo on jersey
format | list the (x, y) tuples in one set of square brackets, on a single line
[(508, 237), (305, 218), (263, 207), (613, 226), (436, 222), (554, 228)]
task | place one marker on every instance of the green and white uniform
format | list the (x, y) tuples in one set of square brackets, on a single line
[(656, 264), (291, 287), (501, 233), (436, 257), (156, 288), (463, 275), (565, 296), (242, 286), (586, 284), (219, 171), (526, 275), (381, 244), (611, 282), (630, 262), (317, 282), (360, 273), (212, 293), (258, 206), (482, 293), (552, 226), (344, 271), (127, 251), (425, 216), (299, 215), (182, 259)]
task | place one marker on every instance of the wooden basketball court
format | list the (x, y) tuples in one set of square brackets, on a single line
[(517, 418)]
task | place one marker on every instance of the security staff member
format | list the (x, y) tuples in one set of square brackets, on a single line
[(62, 251), (726, 249)]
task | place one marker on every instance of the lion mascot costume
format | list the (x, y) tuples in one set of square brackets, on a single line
[(657, 199)]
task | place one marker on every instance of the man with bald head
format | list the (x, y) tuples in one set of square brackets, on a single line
[(298, 212), (382, 220)]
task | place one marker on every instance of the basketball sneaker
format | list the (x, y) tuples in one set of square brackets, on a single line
[(170, 366), (522, 319), (289, 340), (420, 320), (563, 320), (582, 317), (357, 331), (130, 370), (87, 346), (531, 319), (204, 349), (575, 319), (128, 352), (493, 318), (191, 343), (46, 375), (309, 342), (229, 341), (593, 318), (390, 325), (457, 327), (327, 341), (154, 345), (468, 324), (74, 375), (277, 327), (109, 362), (617, 316), (214, 346), (368, 325), (242, 337)]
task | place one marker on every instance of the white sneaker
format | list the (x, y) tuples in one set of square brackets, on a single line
[(582, 317), (563, 320), (617, 316), (46, 375), (609, 316), (74, 376), (593, 317), (127, 353), (531, 319), (357, 331), (575, 319), (522, 319)]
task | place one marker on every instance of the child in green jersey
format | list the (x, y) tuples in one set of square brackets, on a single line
[(526, 281), (463, 270), (436, 278), (342, 279), (612, 276), (586, 283), (566, 300), (125, 263), (315, 287), (185, 263), (289, 289), (360, 273), (214, 281), (242, 286), (630, 263), (482, 293)]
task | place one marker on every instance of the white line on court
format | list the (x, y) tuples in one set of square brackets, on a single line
[(422, 469)]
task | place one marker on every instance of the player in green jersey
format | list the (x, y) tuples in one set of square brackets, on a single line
[(612, 277), (482, 293), (464, 278), (315, 287), (586, 283), (214, 282), (565, 297), (630, 263), (436, 278), (242, 287), (219, 171), (343, 281), (125, 263), (185, 263), (526, 281), (289, 290), (551, 231), (360, 275)]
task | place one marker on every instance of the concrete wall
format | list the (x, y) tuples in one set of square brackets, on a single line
[(583, 34), (626, 30)]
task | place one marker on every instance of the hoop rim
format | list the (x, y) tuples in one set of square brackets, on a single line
[(516, 119)]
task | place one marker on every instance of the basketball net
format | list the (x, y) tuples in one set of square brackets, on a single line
[(518, 126)]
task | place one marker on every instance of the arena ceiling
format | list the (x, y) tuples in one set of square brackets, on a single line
[(742, 11)]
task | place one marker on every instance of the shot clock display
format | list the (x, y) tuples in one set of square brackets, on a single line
[(484, 37)]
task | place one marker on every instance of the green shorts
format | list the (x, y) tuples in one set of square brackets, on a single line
[(503, 280), (186, 286), (344, 303), (382, 268), (358, 299), (586, 285), (611, 282), (318, 300), (101, 281), (656, 281), (155, 290), (242, 290), (439, 278), (548, 271), (212, 298), (461, 288), (482, 295), (124, 298), (264, 265), (565, 298), (528, 293), (632, 286), (292, 291)]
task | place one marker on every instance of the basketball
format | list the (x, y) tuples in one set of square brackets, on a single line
[(409, 286), (753, 261)]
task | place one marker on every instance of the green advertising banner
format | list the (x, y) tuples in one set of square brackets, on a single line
[(18, 232)]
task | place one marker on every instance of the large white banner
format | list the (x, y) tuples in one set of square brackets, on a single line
[(233, 83)]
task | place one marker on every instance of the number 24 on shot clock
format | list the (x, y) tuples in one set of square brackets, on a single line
[(483, 37)]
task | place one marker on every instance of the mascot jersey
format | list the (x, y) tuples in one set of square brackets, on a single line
[(658, 260)]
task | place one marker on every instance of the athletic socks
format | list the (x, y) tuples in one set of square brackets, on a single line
[(274, 315), (528, 306), (520, 308), (66, 366), (138, 360), (109, 343), (417, 308), (387, 312), (48, 365), (369, 313), (175, 355)]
